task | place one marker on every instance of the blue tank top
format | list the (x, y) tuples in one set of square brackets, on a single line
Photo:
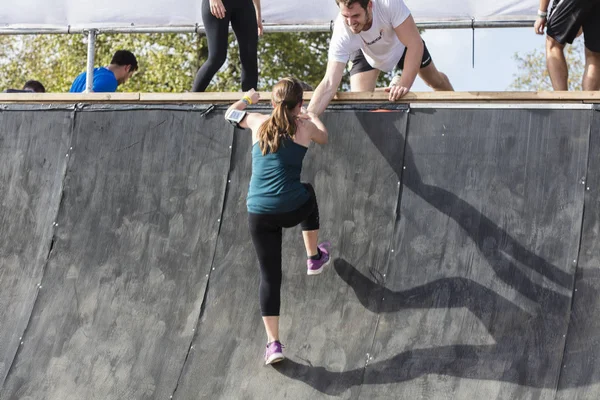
[(275, 185)]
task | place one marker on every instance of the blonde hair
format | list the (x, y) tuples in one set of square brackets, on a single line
[(287, 94)]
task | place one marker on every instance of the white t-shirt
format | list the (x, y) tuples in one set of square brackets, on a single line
[(379, 44)]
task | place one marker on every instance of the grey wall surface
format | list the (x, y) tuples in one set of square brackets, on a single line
[(32, 167), (125, 282), (480, 283), (580, 375), (463, 245), (322, 323)]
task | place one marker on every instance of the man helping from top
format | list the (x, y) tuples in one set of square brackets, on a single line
[(377, 35)]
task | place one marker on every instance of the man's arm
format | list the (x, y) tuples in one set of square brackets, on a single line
[(540, 22), (318, 131), (409, 35), (544, 5), (327, 88)]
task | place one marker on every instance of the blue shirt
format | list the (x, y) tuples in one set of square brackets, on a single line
[(104, 81), (275, 185)]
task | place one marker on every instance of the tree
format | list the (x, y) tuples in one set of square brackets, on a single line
[(533, 74), (168, 62), (303, 55)]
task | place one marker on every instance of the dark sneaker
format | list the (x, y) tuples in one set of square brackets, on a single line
[(315, 267), (274, 353)]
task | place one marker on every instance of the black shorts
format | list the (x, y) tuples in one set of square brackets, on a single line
[(360, 64), (568, 16)]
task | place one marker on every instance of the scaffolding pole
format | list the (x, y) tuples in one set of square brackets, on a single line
[(91, 53), (324, 27)]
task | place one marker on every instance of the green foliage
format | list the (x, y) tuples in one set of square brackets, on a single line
[(303, 55), (167, 62), (533, 74)]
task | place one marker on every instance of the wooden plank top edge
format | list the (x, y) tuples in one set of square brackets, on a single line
[(229, 97)]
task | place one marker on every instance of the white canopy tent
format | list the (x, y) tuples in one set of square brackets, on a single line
[(80, 15), (155, 16)]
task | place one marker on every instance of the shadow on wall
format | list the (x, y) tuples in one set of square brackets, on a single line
[(525, 345), (510, 326)]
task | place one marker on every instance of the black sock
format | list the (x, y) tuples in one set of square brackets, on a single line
[(316, 256)]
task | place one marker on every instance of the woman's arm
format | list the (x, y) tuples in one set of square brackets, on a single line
[(258, 16), (251, 120)]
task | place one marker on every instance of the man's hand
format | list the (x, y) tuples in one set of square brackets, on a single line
[(217, 9), (539, 25), (304, 114), (396, 91)]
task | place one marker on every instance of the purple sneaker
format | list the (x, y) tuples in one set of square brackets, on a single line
[(315, 267), (274, 352)]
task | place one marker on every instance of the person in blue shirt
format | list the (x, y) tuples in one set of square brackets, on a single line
[(106, 79), (277, 198)]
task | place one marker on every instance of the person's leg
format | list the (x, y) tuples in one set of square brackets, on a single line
[(564, 23), (310, 224), (364, 81), (557, 64), (435, 79), (307, 216), (591, 74), (363, 77), (591, 29), (310, 242), (266, 238), (245, 27), (318, 255), (217, 33), (272, 327), (428, 72)]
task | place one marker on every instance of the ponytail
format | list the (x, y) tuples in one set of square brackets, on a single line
[(280, 124), (287, 94)]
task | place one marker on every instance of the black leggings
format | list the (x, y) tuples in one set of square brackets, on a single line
[(266, 231), (242, 15)]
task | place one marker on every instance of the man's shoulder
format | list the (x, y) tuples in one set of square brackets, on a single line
[(105, 77), (81, 75), (78, 84), (388, 5), (103, 72)]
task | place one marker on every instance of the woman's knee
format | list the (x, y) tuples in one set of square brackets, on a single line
[(216, 61)]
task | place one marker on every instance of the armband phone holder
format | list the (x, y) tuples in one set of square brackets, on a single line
[(235, 117)]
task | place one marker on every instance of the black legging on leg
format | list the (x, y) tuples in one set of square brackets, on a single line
[(242, 16), (266, 231), (245, 27)]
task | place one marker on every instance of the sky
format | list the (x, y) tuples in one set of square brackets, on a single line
[(495, 67)]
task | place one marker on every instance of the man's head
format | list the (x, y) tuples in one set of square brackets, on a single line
[(123, 65), (357, 14), (34, 86)]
